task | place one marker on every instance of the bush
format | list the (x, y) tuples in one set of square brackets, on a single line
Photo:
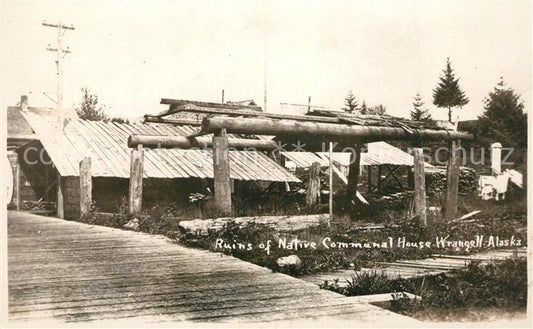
[(368, 283)]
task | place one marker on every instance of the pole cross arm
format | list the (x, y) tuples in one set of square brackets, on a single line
[(55, 49), (66, 27)]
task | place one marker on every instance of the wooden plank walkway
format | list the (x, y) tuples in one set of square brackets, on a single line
[(421, 267), (67, 271)]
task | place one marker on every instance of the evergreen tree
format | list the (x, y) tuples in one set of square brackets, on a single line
[(504, 118), (418, 113), (89, 109), (448, 94), (350, 103)]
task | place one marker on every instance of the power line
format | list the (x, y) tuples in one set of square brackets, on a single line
[(60, 54)]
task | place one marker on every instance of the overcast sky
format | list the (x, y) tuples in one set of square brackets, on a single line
[(133, 53)]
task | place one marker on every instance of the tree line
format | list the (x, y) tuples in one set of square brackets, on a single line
[(503, 117)]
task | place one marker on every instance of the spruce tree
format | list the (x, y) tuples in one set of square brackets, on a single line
[(504, 119), (350, 103), (448, 94), (418, 113)]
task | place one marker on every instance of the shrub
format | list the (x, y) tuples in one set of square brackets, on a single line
[(457, 294)]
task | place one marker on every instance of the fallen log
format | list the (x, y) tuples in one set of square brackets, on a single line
[(378, 298), (467, 216), (278, 223)]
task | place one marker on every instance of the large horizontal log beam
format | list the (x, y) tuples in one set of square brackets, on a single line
[(333, 132), (156, 119), (155, 141), (182, 142)]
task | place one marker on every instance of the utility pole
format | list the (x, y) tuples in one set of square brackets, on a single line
[(60, 53)]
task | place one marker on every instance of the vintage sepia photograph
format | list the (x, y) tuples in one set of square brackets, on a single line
[(285, 163)]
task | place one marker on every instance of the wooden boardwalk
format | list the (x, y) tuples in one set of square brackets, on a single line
[(421, 267), (67, 271)]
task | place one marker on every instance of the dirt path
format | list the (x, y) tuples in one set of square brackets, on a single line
[(68, 271)]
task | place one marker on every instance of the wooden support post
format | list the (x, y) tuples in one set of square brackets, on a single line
[(496, 158), (452, 180), (353, 177), (60, 199), (313, 187), (136, 180), (420, 186), (86, 187), (411, 179), (368, 179), (380, 169), (222, 180), (17, 184)]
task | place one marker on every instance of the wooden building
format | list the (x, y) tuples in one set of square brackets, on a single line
[(168, 174)]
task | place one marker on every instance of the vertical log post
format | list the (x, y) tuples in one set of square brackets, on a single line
[(136, 180), (86, 187), (420, 186), (313, 187), (60, 199), (17, 184), (411, 179), (380, 171), (369, 179), (452, 180), (496, 158), (353, 179), (222, 180)]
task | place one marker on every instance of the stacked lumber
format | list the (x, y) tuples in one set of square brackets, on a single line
[(383, 120)]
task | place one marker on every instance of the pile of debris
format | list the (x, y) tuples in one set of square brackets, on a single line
[(436, 181)]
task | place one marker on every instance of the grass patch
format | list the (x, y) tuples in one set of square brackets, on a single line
[(324, 259), (469, 294)]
